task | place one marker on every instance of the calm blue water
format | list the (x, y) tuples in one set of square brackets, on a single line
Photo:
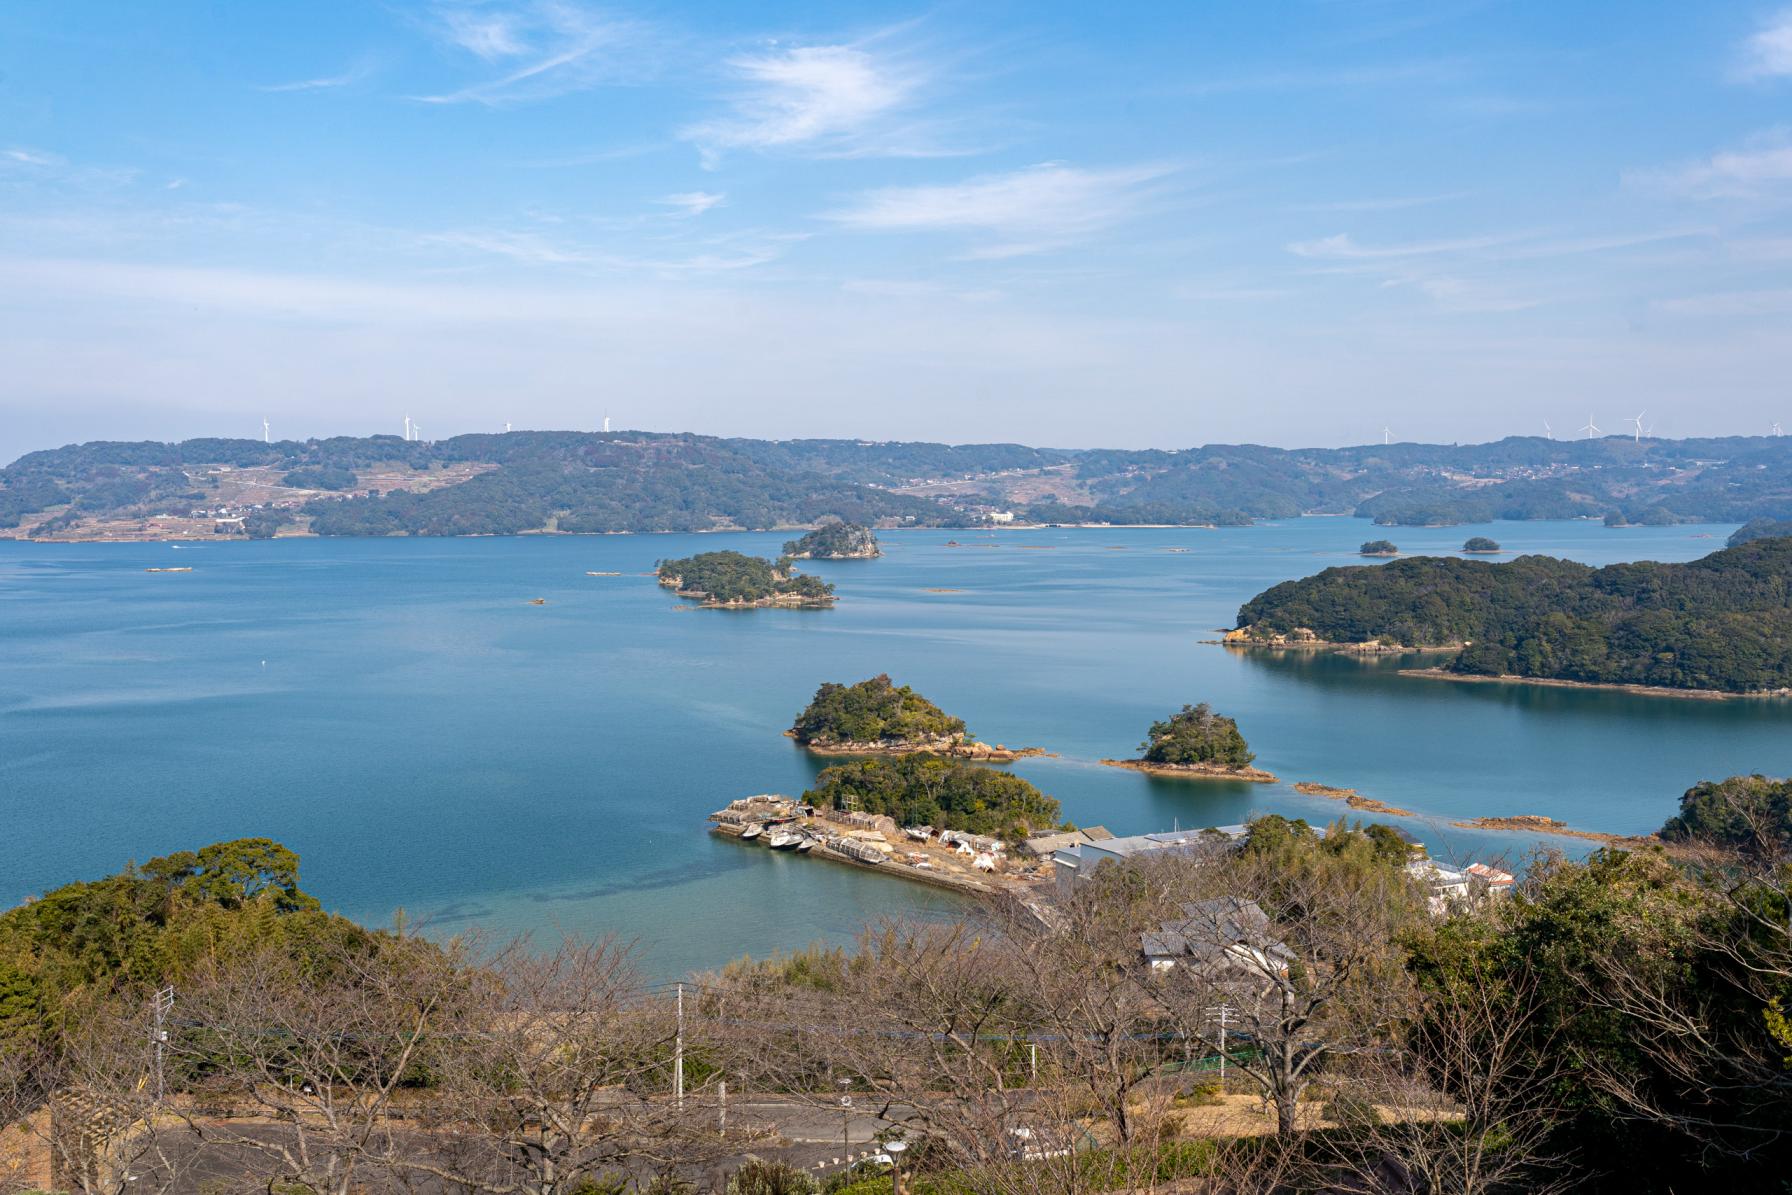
[(395, 711)]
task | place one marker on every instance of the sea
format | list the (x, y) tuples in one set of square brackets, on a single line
[(439, 748)]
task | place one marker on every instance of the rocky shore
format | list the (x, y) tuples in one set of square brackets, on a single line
[(786, 600), (1537, 823), (1554, 683), (1351, 798), (1194, 771), (1302, 639), (954, 747)]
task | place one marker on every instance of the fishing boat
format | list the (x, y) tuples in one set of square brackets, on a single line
[(784, 840), (806, 845), (752, 832), (589, 573), (919, 833), (538, 601)]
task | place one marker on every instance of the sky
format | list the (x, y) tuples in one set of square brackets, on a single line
[(1065, 224)]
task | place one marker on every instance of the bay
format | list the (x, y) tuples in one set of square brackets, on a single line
[(399, 713)]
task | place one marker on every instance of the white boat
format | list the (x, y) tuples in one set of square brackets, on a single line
[(751, 832), (784, 840), (919, 833), (806, 845)]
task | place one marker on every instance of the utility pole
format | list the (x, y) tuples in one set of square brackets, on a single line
[(845, 1119), (722, 1124), (678, 1054), (164, 1004), (1222, 1015), (1033, 1054)]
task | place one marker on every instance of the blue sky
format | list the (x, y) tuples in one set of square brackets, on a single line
[(1059, 223)]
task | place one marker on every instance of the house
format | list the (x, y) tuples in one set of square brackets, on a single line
[(1225, 940), (1448, 886), (1078, 862), (1044, 846)]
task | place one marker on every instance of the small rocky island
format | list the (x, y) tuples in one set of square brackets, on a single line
[(1480, 545), (879, 717), (734, 581), (835, 540), (1378, 547), (1196, 743)]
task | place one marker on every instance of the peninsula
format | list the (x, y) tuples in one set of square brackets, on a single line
[(835, 540), (734, 581), (879, 717), (1721, 624), (1196, 743), (945, 794)]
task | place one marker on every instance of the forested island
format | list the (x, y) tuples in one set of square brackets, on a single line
[(947, 794), (1480, 545), (1759, 529), (1720, 624), (1195, 741), (879, 717), (600, 482), (734, 580), (1379, 547), (835, 540)]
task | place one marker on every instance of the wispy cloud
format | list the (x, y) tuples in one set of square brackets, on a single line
[(1331, 78), (1732, 304), (1763, 166), (692, 203), (1344, 247), (1390, 204), (1767, 54), (31, 157), (828, 100), (542, 49), (324, 83), (1040, 208)]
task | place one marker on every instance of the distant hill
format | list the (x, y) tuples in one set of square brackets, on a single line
[(639, 481), (1723, 622)]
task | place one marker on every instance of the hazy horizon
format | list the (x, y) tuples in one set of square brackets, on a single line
[(1161, 225)]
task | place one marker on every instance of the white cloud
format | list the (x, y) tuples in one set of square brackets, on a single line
[(32, 157), (1732, 304), (1040, 208), (1764, 165), (544, 48), (825, 98), (1344, 247), (692, 203), (1767, 54)]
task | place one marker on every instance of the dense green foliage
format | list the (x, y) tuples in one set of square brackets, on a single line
[(835, 539), (1379, 547), (1723, 622), (1595, 967), (1750, 814), (637, 481), (873, 711), (1480, 543), (1197, 735), (1759, 529), (737, 577), (149, 925), (321, 477), (929, 790)]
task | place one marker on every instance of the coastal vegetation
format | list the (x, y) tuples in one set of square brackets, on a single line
[(1748, 814), (1720, 623), (835, 540), (1480, 544), (1196, 735), (1617, 1024), (1759, 529), (875, 711), (1378, 547), (321, 477), (643, 482), (731, 578), (946, 793)]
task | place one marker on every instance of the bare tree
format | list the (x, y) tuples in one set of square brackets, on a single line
[(291, 1066), (1303, 957), (558, 1071)]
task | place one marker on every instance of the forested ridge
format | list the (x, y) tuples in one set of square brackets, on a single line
[(642, 482), (1723, 622)]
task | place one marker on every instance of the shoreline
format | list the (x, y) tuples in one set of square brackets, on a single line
[(1613, 686), (1536, 823), (1352, 798), (974, 751), (891, 866), (1193, 771)]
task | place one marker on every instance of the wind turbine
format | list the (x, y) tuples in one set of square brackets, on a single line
[(265, 437), (1638, 420), (407, 428), (606, 424), (1549, 433), (1387, 437), (1591, 429), (1776, 428)]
